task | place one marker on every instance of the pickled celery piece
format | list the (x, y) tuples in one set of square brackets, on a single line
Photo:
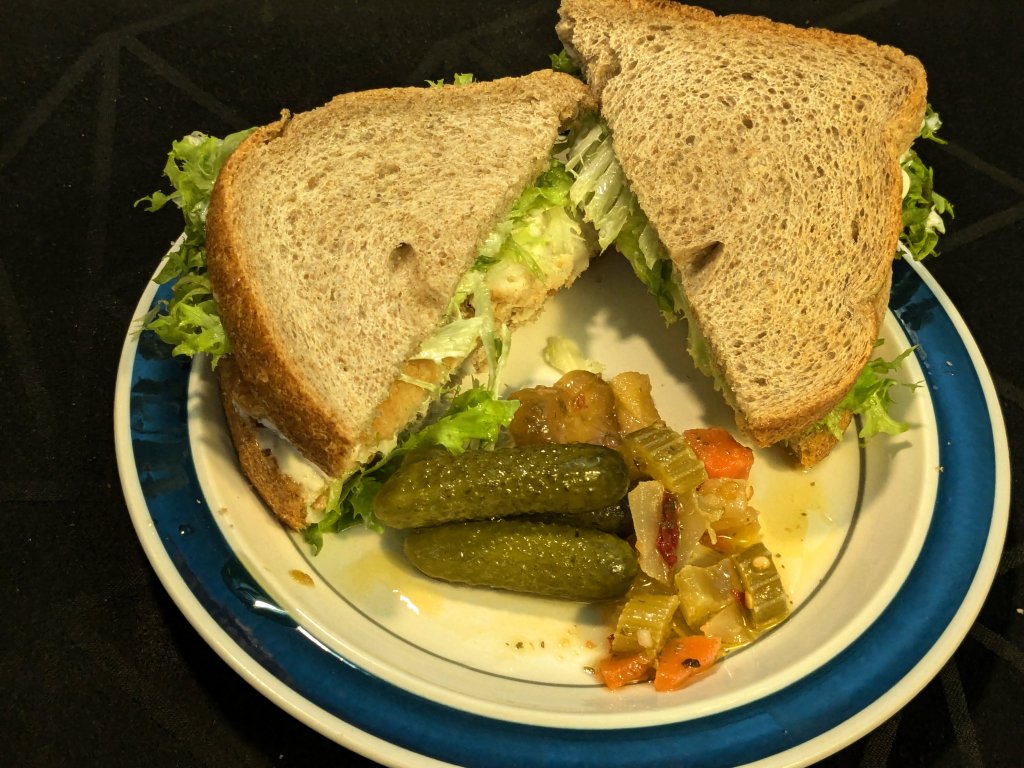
[(762, 587), (703, 556), (704, 592), (665, 456), (644, 623), (694, 524)]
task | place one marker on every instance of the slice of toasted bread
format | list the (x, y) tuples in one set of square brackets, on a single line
[(336, 237), (766, 157)]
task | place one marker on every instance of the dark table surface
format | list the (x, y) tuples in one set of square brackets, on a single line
[(97, 665)]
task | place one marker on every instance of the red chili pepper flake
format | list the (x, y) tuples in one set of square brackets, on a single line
[(668, 530), (691, 663)]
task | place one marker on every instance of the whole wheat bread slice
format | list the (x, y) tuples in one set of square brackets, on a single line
[(336, 237), (766, 158)]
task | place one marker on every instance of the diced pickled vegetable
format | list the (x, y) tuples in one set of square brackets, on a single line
[(579, 408), (703, 556), (732, 625), (591, 409), (762, 587), (735, 541), (634, 406), (663, 455), (726, 502), (684, 657), (695, 524), (477, 485), (645, 506), (539, 416), (618, 670), (705, 591), (644, 624), (538, 558), (668, 531), (722, 454)]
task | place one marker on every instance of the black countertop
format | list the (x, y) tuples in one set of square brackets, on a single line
[(97, 665)]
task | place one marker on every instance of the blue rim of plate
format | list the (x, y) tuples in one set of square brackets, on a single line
[(839, 702)]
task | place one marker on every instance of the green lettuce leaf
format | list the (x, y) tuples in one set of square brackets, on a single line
[(190, 320), (455, 339), (460, 78), (523, 235), (600, 190), (564, 355), (923, 207), (870, 399), (930, 125), (564, 62), (474, 419)]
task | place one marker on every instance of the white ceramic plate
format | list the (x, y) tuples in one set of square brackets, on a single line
[(887, 550)]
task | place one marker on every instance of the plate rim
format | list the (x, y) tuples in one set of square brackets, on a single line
[(335, 727), (236, 657)]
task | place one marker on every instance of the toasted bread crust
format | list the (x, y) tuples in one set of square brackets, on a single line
[(810, 448), (766, 156), (394, 152), (285, 497)]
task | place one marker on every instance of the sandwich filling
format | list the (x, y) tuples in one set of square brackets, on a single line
[(538, 247)]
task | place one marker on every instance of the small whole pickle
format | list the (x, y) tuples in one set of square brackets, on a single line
[(615, 518), (523, 556), (477, 485)]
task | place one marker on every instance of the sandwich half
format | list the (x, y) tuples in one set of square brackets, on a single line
[(760, 194), (362, 253)]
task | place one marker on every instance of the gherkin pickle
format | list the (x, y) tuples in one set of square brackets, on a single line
[(615, 518), (544, 559), (477, 485)]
